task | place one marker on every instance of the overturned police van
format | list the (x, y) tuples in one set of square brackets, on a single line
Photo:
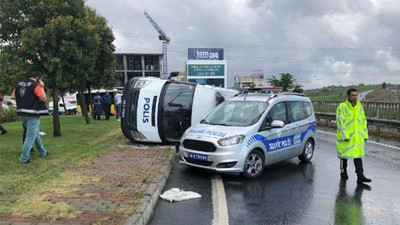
[(156, 110)]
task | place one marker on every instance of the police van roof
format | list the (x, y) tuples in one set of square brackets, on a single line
[(266, 97)]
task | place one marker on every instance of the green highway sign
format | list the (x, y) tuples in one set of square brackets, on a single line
[(206, 70)]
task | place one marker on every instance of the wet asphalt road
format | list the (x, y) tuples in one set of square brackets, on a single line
[(291, 192)]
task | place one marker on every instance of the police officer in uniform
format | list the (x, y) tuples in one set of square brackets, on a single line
[(30, 97), (352, 132)]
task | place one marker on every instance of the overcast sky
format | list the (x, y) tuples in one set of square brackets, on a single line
[(322, 43)]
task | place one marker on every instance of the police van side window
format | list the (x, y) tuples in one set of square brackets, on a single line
[(278, 112), (299, 110), (308, 108)]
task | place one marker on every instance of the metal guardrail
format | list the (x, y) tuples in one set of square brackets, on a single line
[(380, 110), (371, 121)]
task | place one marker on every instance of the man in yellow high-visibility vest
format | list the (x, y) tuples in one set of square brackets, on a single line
[(352, 132)]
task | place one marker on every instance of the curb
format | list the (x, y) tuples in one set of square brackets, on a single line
[(149, 202)]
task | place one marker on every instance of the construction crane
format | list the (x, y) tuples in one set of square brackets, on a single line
[(165, 39)]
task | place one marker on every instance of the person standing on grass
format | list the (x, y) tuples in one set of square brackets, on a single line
[(107, 101), (352, 133), (31, 97), (117, 102), (97, 108), (3, 131)]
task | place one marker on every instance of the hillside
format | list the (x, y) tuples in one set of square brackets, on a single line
[(374, 93), (337, 93), (383, 95)]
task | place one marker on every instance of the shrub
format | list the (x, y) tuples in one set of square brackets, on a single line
[(8, 115)]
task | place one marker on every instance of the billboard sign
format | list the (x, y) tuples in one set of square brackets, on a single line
[(208, 70), (205, 53)]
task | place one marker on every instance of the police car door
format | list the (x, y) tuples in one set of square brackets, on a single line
[(299, 113), (276, 140)]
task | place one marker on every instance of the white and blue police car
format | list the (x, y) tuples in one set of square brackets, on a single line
[(250, 131)]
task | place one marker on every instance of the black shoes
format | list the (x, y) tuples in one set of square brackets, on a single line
[(4, 132), (47, 154), (28, 161), (362, 179)]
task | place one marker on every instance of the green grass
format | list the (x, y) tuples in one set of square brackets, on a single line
[(22, 183), (336, 93)]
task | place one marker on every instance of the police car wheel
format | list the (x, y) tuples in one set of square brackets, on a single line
[(254, 164), (308, 151)]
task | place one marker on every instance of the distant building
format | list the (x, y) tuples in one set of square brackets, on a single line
[(254, 80), (131, 65), (254, 83)]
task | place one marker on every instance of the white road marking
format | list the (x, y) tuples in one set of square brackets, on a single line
[(219, 202), (377, 143)]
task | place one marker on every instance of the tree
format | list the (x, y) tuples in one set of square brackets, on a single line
[(384, 85), (63, 38), (287, 82), (103, 74)]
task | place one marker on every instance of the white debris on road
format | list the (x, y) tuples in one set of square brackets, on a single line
[(176, 194)]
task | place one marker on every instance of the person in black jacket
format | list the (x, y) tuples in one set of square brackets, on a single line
[(97, 106), (3, 130), (30, 97), (107, 101)]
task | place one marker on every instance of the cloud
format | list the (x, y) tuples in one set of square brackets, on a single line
[(320, 42)]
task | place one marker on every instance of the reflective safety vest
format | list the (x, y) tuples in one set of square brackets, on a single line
[(352, 125)]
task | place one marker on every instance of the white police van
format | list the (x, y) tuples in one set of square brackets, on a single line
[(250, 131), (156, 110)]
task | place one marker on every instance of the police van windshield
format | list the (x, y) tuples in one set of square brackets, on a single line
[(236, 113), (175, 114)]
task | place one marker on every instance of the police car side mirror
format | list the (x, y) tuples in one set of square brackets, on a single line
[(277, 124), (274, 124)]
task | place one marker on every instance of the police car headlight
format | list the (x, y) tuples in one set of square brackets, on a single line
[(141, 83), (233, 140), (138, 136)]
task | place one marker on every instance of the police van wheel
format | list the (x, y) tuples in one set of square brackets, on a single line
[(308, 151), (254, 164), (126, 131)]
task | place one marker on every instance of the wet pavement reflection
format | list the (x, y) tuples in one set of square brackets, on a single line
[(348, 207), (292, 192), (280, 196)]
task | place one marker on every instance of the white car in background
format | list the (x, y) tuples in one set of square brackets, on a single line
[(69, 107)]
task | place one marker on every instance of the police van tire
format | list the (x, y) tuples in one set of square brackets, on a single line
[(254, 164), (127, 132), (308, 151)]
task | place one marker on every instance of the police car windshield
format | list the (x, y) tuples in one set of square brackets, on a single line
[(236, 113)]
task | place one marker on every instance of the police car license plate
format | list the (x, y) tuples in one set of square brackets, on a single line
[(197, 156)]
